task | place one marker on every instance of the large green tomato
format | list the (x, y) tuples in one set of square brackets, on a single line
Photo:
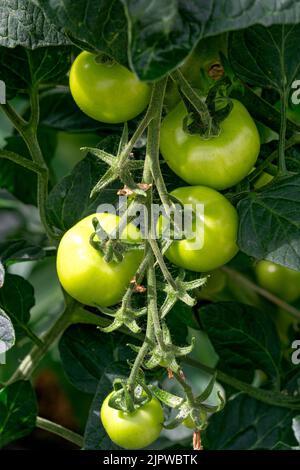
[(215, 283), (82, 270), (107, 91), (281, 281), (218, 162), (214, 243), (133, 430)]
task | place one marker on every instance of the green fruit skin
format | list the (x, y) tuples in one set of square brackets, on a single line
[(215, 283), (281, 281), (83, 271), (133, 430), (218, 162), (107, 92), (220, 225)]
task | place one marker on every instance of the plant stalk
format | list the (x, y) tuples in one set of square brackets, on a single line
[(60, 431)]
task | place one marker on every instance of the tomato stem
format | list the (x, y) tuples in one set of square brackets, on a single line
[(31, 361), (28, 131), (240, 278), (59, 430)]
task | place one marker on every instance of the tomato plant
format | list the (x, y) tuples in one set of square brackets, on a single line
[(149, 234)]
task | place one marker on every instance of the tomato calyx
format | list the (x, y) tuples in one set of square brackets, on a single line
[(165, 354), (215, 108), (125, 315), (103, 58), (192, 412), (122, 399), (120, 168), (179, 291), (111, 249)]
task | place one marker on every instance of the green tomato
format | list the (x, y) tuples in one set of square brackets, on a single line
[(82, 270), (107, 91), (133, 430), (214, 243), (281, 281), (215, 283), (218, 162)]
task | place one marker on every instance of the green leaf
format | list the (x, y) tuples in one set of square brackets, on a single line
[(263, 111), (99, 25), (86, 353), (70, 201), (7, 332), (270, 222), (23, 23), (15, 251), (247, 424), (18, 411), (95, 437), (244, 338), (21, 68), (17, 299), (267, 57), (162, 38), (178, 320), (59, 111), (18, 180)]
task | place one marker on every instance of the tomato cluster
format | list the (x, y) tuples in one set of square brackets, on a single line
[(110, 93)]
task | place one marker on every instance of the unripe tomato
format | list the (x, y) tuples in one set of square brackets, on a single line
[(215, 243), (82, 269), (218, 162), (133, 430), (215, 283), (105, 90), (281, 281)]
